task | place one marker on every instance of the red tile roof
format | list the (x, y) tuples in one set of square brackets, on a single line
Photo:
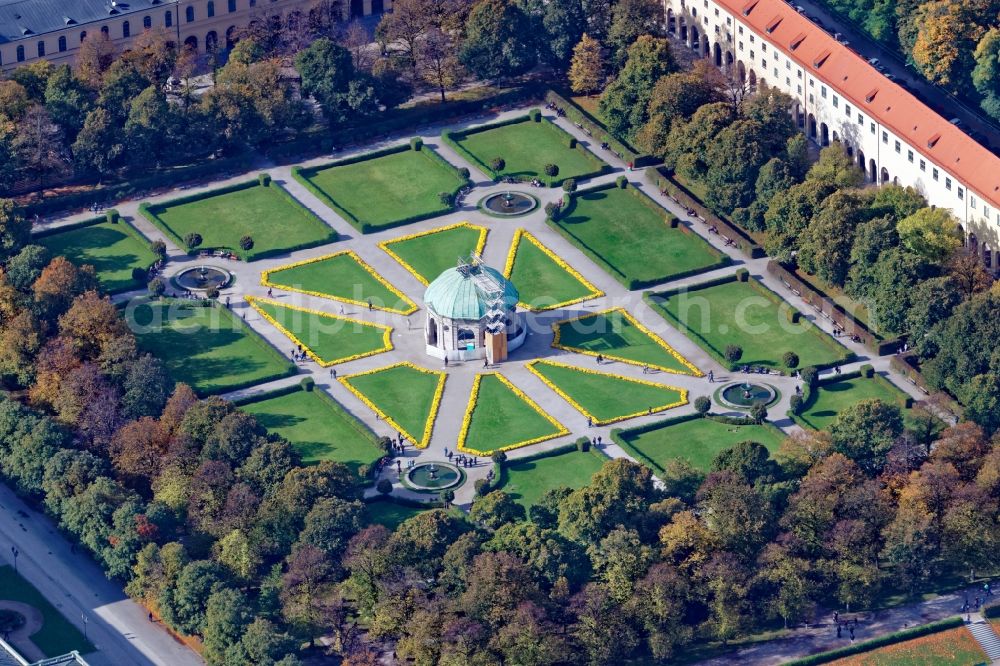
[(849, 74)]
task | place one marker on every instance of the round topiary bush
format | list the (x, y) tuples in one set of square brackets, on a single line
[(867, 371), (583, 444), (790, 359), (498, 164), (702, 404), (809, 376), (742, 274), (246, 243), (416, 143), (572, 142), (552, 170), (569, 185), (464, 173), (734, 353), (482, 487), (159, 248), (156, 287), (140, 275), (794, 316), (192, 240), (384, 486), (535, 115), (112, 216), (500, 457), (307, 383), (447, 497), (264, 179), (551, 210), (385, 444), (212, 292), (796, 404), (758, 412), (621, 182), (445, 198)]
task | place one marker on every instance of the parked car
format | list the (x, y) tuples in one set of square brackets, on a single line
[(874, 62), (957, 122), (890, 76), (800, 9)]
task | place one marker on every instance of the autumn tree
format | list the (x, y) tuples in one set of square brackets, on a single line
[(438, 61), (587, 67), (38, 146)]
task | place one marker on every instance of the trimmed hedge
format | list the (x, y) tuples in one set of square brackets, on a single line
[(650, 298), (880, 642), (590, 124), (595, 256), (151, 213), (449, 139), (304, 175), (810, 393)]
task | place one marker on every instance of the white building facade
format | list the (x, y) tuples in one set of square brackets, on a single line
[(891, 135)]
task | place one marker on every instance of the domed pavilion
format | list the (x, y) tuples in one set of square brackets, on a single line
[(472, 314)]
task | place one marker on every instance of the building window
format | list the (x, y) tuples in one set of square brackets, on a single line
[(972, 201), (729, 21), (62, 44), (741, 30), (800, 89), (812, 83), (961, 193), (751, 55), (810, 98), (763, 47), (716, 11), (885, 137), (934, 173), (232, 7), (873, 128), (20, 53), (847, 110), (210, 8), (788, 81), (147, 22), (861, 120), (799, 73), (41, 49), (83, 36), (822, 92), (836, 102), (909, 156), (126, 29), (104, 30), (189, 14), (168, 19), (751, 39), (788, 64), (898, 147), (740, 45), (947, 183)]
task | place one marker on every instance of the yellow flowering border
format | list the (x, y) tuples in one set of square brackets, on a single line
[(265, 280), (508, 269), (480, 244), (556, 344), (386, 331), (435, 402), (467, 419), (580, 408)]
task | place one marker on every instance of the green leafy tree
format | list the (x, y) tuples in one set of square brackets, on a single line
[(564, 24), (630, 20), (865, 431), (931, 233), (495, 509), (68, 100), (15, 231), (981, 398), (497, 42), (624, 104), (228, 613)]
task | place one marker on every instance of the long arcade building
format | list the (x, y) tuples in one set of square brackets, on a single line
[(53, 30), (893, 136)]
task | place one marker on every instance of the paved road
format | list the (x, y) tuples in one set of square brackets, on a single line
[(935, 97), (73, 583)]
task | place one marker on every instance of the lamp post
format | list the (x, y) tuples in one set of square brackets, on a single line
[(84, 616)]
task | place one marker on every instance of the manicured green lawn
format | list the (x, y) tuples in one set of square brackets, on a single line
[(429, 254), (953, 646), (604, 397), (274, 220), (57, 636), (381, 191), (829, 399), (343, 277), (390, 514), (632, 236), (317, 427), (110, 248), (331, 339), (542, 283), (527, 147), (742, 314), (404, 394), (527, 481), (503, 419), (207, 347), (613, 334), (699, 440)]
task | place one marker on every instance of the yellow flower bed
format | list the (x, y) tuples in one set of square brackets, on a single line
[(556, 344), (386, 336), (467, 419), (580, 408), (480, 244), (265, 280), (512, 256), (425, 438)]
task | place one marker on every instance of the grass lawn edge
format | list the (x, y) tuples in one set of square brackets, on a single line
[(522, 234)]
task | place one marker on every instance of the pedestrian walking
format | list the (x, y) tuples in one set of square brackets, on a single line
[(150, 616), (852, 634), (370, 306), (711, 377), (838, 630), (270, 292), (590, 422)]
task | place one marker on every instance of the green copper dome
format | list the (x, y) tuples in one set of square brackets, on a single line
[(464, 292)]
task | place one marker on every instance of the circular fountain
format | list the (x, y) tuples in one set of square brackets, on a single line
[(508, 204), (203, 278), (744, 395), (433, 476)]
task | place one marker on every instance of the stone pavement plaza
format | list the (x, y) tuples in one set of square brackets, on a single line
[(407, 336)]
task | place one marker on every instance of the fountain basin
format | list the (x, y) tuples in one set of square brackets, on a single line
[(744, 395), (508, 204), (433, 476), (203, 278)]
